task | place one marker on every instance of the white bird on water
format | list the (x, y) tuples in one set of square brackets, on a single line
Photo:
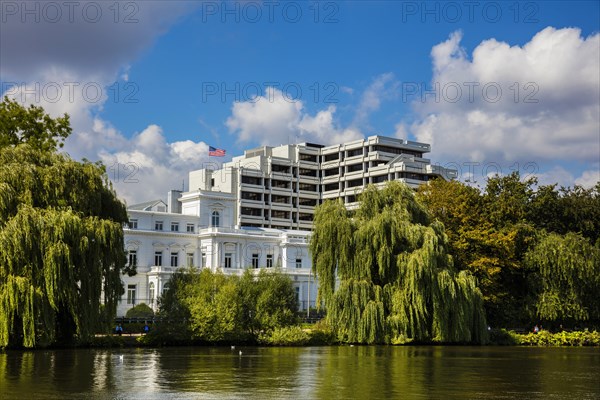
[(240, 353), (232, 347), (121, 358)]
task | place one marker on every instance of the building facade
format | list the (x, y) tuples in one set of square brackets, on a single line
[(256, 211)]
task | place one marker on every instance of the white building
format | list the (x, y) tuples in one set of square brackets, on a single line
[(257, 210)]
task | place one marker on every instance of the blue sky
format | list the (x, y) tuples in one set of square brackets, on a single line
[(179, 76)]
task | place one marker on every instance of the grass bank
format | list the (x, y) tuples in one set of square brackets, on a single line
[(544, 338)]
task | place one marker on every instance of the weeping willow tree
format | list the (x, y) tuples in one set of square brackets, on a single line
[(61, 241), (567, 278), (385, 274)]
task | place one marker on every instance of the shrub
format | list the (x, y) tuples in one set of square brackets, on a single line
[(287, 336), (502, 337), (545, 338), (142, 310), (321, 334)]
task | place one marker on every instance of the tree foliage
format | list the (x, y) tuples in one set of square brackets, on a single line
[(61, 240), (396, 278), (567, 278), (567, 210), (213, 307), (31, 125), (492, 230)]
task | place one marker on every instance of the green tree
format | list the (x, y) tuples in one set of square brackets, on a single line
[(215, 307), (31, 125), (61, 238), (396, 279), (173, 309), (489, 235), (566, 279), (276, 303), (567, 210)]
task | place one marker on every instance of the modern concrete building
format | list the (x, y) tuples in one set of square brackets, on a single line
[(279, 187), (256, 211)]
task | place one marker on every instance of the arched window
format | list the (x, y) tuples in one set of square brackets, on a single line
[(216, 219)]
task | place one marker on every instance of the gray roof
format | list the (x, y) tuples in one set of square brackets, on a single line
[(146, 205)]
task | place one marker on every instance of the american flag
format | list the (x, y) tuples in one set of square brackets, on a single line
[(213, 151)]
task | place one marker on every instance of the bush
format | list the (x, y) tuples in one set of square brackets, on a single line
[(502, 337), (142, 310), (321, 334), (545, 338), (287, 336)]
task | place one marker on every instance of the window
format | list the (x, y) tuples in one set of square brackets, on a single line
[(132, 258), (280, 184), (228, 257), (255, 260), (255, 212), (331, 186), (395, 150), (308, 187), (379, 178), (284, 169), (158, 258), (131, 294), (308, 157), (165, 288), (269, 260), (133, 223), (158, 226), (355, 167), (190, 259), (280, 214), (307, 202), (355, 152), (189, 228), (298, 263), (203, 260), (216, 219), (298, 294), (174, 226), (305, 217), (151, 293), (308, 172), (251, 180), (280, 199), (252, 196), (331, 157), (355, 182), (174, 260)]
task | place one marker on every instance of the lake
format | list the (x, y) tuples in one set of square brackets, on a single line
[(360, 372)]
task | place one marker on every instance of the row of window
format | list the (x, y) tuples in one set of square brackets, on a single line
[(132, 293), (158, 259), (374, 179), (189, 228), (255, 258), (360, 151), (281, 184), (258, 212)]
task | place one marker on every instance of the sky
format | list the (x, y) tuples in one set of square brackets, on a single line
[(493, 86)]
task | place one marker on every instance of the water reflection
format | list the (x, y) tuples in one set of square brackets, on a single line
[(374, 372)]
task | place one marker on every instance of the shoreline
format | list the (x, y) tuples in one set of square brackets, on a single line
[(499, 338)]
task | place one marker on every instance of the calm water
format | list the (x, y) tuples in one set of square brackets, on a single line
[(303, 373)]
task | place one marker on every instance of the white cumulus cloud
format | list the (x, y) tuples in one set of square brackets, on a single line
[(275, 119), (536, 103)]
